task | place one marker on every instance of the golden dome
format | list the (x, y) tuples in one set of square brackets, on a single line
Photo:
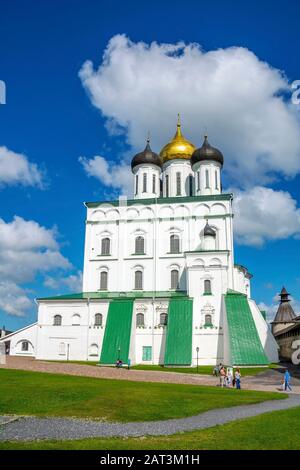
[(178, 147)]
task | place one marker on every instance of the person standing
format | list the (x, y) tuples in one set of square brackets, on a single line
[(237, 377), (222, 377), (287, 379)]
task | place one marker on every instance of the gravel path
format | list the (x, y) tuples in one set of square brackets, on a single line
[(31, 428)]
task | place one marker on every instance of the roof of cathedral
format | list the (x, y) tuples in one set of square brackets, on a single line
[(146, 156), (285, 312), (178, 148), (207, 152), (118, 295)]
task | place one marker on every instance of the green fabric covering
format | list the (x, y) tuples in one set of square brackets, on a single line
[(179, 333), (245, 345), (117, 332)]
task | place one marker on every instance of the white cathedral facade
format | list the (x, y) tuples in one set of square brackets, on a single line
[(160, 283)]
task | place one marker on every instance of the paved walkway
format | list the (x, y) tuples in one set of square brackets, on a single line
[(31, 428), (266, 381)]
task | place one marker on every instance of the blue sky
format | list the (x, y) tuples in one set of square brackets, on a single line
[(52, 118)]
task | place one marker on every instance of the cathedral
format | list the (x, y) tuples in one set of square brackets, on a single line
[(160, 283)]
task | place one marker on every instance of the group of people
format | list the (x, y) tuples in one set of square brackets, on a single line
[(228, 378)]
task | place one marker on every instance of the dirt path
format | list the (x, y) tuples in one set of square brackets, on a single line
[(266, 381)]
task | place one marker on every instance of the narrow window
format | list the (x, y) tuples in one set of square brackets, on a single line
[(174, 279), (163, 319), (140, 321), (147, 353), (103, 280), (178, 184), (207, 286), (207, 178), (144, 182), (98, 319), (190, 185), (174, 244), (136, 184), (208, 320), (62, 349), (139, 245), (216, 179), (25, 346), (154, 184), (198, 180), (105, 246), (57, 320), (167, 185), (138, 280)]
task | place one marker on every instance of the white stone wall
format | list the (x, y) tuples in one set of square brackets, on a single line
[(156, 223), (16, 339)]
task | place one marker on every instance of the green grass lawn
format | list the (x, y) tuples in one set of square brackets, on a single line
[(203, 370), (278, 430), (35, 393)]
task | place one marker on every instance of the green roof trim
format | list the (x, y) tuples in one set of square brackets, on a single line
[(118, 295), (245, 344), (161, 200)]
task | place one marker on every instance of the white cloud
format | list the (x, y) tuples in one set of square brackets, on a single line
[(15, 168), (117, 176), (263, 214), (73, 282), (14, 299), (26, 250), (230, 92)]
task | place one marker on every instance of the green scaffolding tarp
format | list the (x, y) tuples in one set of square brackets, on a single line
[(117, 334), (179, 333), (245, 344)]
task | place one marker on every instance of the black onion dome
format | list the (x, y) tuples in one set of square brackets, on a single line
[(207, 152), (146, 156), (208, 230)]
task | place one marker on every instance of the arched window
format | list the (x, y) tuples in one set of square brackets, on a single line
[(98, 319), (138, 280), (216, 179), (174, 244), (167, 185), (105, 246), (178, 184), (144, 182), (207, 286), (25, 346), (57, 320), (76, 319), (154, 184), (163, 319), (206, 178), (136, 184), (208, 320), (190, 185), (139, 245), (174, 279), (103, 280), (140, 319)]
